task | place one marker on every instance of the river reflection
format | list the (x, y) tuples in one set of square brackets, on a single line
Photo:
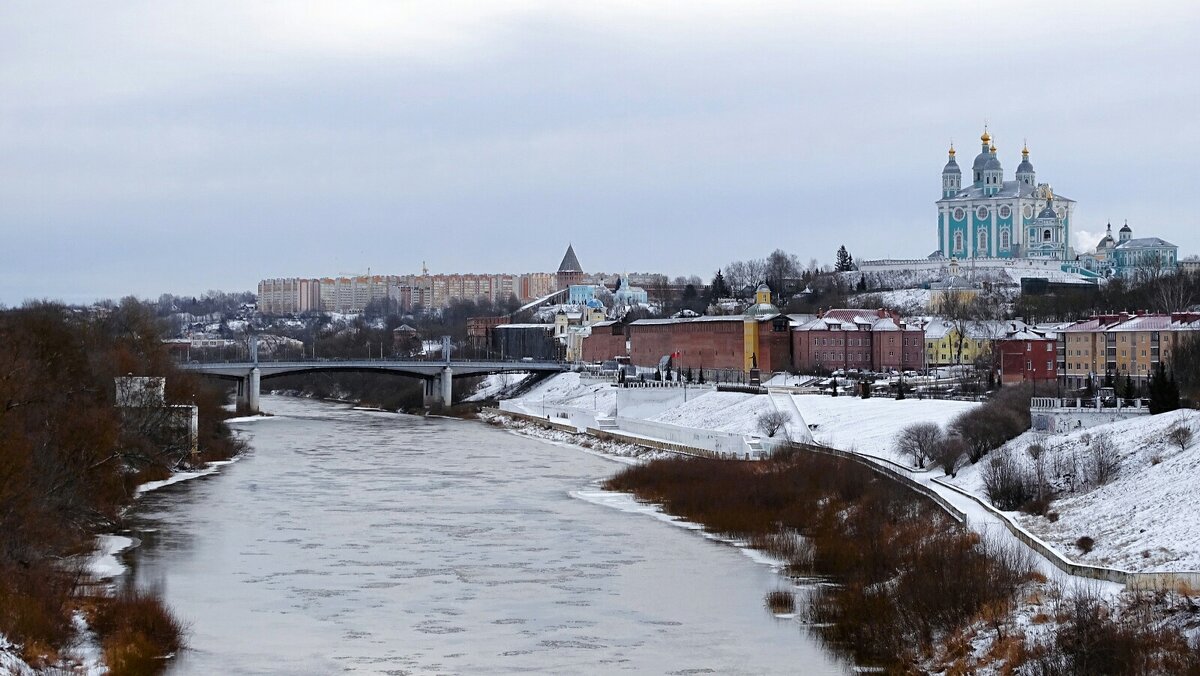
[(362, 542)]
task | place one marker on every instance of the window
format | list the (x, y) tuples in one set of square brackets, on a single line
[(1028, 365), (958, 242), (1049, 366), (983, 236), (1046, 236), (1028, 346), (1004, 240)]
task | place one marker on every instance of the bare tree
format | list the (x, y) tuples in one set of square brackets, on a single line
[(1102, 462), (771, 423), (1181, 436), (917, 441), (949, 454), (1173, 292)]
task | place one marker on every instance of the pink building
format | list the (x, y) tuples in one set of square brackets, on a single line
[(867, 340)]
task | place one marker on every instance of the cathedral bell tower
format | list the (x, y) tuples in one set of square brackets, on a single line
[(981, 159), (993, 173), (951, 176), (1025, 175)]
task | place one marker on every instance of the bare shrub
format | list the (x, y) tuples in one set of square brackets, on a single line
[(788, 545), (1085, 544), (771, 423), (985, 430), (1181, 436), (988, 427), (1094, 637), (949, 453), (1008, 484), (1102, 462), (918, 441)]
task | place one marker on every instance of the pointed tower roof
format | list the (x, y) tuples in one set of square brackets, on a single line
[(570, 263)]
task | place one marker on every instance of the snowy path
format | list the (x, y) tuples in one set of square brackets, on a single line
[(991, 526)]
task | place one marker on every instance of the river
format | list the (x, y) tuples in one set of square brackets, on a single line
[(365, 542)]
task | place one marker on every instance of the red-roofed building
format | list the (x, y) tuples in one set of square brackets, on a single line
[(867, 340), (1025, 355)]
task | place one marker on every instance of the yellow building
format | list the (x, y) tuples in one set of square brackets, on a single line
[(954, 343), (1122, 345)]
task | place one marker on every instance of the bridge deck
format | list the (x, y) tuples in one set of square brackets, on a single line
[(422, 369)]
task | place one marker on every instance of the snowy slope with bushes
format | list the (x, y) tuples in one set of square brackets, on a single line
[(1123, 495)]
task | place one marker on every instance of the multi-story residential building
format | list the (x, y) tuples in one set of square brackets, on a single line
[(404, 292), (1122, 345), (289, 295), (535, 285), (866, 340)]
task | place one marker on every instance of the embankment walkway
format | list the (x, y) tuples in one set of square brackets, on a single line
[(968, 509)]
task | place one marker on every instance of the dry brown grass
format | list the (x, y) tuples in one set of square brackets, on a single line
[(137, 631), (908, 575), (781, 601)]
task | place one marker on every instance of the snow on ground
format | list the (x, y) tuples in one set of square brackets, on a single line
[(494, 384), (912, 301), (85, 654), (247, 418), (735, 412), (103, 563), (565, 389), (210, 468), (10, 661), (871, 426), (1144, 519), (628, 454)]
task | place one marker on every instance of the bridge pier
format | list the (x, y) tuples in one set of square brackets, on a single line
[(248, 391), (447, 386), (429, 390), (439, 390)]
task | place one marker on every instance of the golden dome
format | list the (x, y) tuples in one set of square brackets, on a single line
[(986, 137), (951, 150), (993, 148)]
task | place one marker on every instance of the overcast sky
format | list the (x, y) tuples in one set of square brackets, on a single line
[(161, 146)]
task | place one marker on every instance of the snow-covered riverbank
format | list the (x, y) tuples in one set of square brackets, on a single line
[(1135, 520)]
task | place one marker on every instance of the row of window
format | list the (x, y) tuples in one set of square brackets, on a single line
[(852, 356), (858, 342), (1005, 241), (982, 212)]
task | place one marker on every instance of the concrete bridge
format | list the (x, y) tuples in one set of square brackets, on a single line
[(437, 375)]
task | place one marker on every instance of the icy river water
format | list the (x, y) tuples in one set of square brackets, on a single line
[(354, 541)]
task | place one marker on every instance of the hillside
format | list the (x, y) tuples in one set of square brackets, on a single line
[(1144, 518)]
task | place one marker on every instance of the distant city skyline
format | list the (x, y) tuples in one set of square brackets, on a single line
[(177, 148)]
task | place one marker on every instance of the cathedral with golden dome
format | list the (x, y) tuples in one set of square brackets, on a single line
[(991, 217)]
